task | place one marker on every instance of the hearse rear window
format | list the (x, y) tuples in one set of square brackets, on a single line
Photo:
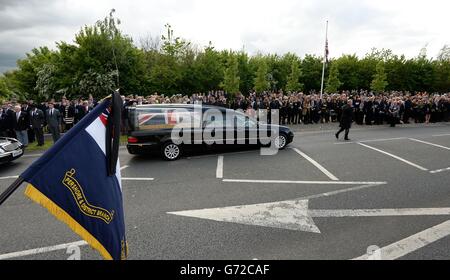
[(165, 118)]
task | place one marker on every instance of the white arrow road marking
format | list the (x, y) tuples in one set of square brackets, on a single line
[(286, 215), (219, 170), (301, 182), (428, 143), (412, 243), (440, 170), (316, 164), (295, 215), (394, 156), (41, 250), (123, 167)]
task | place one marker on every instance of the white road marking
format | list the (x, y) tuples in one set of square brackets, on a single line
[(327, 194), (295, 215), (32, 155), (316, 164), (371, 140), (41, 250), (303, 132), (123, 178), (301, 182), (9, 177), (137, 179), (219, 170), (428, 143), (413, 242), (440, 170), (228, 153), (123, 167), (440, 135), (394, 156), (380, 212)]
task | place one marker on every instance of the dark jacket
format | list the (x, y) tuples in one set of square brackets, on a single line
[(80, 112), (347, 116), (22, 123), (53, 120), (37, 119), (5, 121)]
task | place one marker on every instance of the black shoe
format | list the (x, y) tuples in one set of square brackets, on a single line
[(346, 139), (337, 136)]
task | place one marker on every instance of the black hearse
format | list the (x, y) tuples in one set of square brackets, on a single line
[(173, 128)]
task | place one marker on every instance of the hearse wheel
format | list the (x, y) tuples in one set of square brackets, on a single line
[(280, 141), (171, 151)]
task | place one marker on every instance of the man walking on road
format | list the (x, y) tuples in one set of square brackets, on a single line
[(346, 119)]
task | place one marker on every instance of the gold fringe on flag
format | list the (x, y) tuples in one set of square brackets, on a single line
[(38, 197)]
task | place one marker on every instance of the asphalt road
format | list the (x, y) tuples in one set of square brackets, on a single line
[(400, 174)]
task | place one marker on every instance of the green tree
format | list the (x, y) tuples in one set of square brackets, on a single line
[(27, 73), (231, 76), (312, 72), (5, 91), (348, 66), (172, 71), (333, 83), (97, 84), (103, 51), (207, 69), (293, 82), (46, 83), (379, 82), (246, 75), (261, 82)]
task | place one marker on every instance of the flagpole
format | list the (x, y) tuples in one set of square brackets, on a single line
[(324, 58), (9, 191)]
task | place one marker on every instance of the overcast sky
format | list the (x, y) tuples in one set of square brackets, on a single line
[(266, 26)]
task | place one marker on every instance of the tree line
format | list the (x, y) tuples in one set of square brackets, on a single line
[(102, 58)]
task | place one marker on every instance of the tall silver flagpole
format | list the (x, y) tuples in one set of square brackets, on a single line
[(324, 60)]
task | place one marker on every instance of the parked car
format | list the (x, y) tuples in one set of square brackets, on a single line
[(171, 129), (10, 149)]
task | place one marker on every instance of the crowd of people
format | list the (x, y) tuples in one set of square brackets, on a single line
[(299, 108), (27, 121)]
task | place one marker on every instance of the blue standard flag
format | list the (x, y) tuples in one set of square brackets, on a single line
[(75, 182)]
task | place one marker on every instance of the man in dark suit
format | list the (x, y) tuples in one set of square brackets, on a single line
[(368, 110), (37, 121), (53, 118), (21, 123), (6, 119), (27, 108), (82, 110), (346, 119)]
